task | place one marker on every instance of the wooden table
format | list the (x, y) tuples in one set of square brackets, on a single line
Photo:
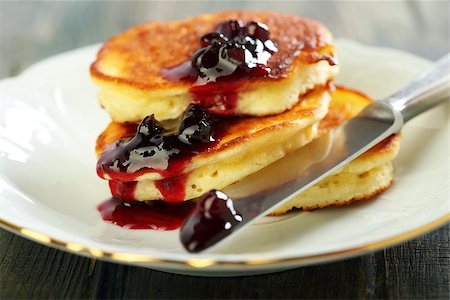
[(416, 269)]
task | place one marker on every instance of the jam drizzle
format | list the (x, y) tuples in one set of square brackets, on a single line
[(153, 149), (122, 189), (172, 188), (152, 215), (232, 52)]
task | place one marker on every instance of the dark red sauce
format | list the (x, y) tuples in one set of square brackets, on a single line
[(152, 149), (152, 215), (217, 97), (212, 219), (123, 190), (172, 188), (232, 52)]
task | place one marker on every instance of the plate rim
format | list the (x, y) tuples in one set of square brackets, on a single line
[(212, 263), (204, 262)]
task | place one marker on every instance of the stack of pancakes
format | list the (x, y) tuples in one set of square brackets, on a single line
[(276, 120)]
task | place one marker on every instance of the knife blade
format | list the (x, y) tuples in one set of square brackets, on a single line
[(217, 217)]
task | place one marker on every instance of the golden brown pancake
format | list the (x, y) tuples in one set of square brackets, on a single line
[(128, 66), (246, 145), (361, 179)]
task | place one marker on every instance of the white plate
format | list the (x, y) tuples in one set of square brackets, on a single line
[(49, 189)]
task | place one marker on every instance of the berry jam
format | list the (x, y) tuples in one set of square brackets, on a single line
[(153, 149), (211, 220), (234, 49), (173, 189), (151, 215), (123, 189), (232, 52)]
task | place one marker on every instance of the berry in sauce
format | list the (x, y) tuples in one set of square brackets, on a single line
[(234, 50), (144, 150), (196, 126), (153, 149), (213, 217)]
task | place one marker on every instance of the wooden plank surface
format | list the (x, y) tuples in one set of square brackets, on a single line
[(31, 31)]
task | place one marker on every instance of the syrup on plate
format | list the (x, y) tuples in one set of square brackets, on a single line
[(156, 215)]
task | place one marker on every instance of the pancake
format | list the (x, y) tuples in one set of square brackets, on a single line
[(341, 189), (129, 68), (246, 146), (361, 179)]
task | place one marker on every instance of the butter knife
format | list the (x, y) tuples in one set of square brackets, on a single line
[(217, 218)]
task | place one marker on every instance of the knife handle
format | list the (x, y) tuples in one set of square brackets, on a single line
[(426, 91)]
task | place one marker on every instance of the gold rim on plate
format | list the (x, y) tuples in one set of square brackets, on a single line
[(198, 263)]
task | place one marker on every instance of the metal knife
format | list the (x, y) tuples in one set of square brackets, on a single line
[(217, 218)]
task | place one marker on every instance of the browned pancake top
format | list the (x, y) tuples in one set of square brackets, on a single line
[(137, 56)]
